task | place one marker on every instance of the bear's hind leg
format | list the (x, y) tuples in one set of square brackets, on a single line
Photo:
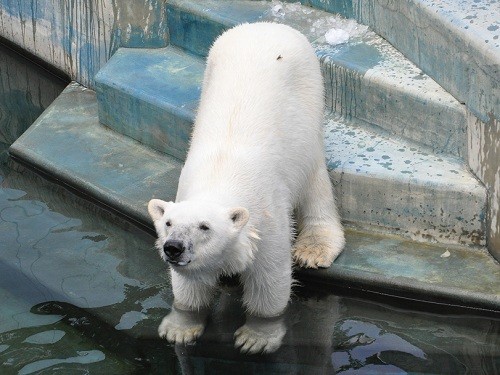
[(320, 235)]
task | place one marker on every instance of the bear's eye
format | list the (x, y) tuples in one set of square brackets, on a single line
[(168, 223), (204, 227)]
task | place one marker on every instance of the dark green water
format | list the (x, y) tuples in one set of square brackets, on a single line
[(82, 291)]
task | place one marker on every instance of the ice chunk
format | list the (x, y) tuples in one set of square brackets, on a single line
[(278, 11), (446, 254), (336, 36)]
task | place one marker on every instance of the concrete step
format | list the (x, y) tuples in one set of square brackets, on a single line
[(150, 95), (457, 43), (68, 144), (396, 185), (365, 78)]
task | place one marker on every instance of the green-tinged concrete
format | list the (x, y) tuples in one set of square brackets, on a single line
[(404, 268), (152, 96), (366, 78), (458, 44), (69, 144)]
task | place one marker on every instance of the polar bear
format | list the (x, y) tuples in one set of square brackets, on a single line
[(256, 155)]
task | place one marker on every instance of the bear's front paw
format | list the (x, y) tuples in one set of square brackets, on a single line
[(260, 335), (182, 327), (179, 334)]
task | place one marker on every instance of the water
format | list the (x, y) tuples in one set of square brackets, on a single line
[(82, 291)]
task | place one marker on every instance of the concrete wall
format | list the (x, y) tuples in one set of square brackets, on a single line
[(25, 92), (484, 160), (77, 36)]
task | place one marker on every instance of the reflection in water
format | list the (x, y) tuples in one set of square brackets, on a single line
[(367, 345), (83, 357), (362, 337), (84, 292), (339, 334)]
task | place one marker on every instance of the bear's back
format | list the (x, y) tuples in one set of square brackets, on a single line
[(260, 111), (261, 80)]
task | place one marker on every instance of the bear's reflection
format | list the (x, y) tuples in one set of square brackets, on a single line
[(326, 333), (302, 337)]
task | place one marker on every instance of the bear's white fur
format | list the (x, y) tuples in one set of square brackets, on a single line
[(256, 155)]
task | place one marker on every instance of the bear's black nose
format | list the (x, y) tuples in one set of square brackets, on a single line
[(173, 249)]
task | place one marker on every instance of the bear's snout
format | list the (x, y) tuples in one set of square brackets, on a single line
[(173, 249)]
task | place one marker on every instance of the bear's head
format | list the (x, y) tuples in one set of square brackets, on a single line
[(197, 234)]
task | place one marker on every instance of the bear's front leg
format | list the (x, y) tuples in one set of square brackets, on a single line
[(266, 292), (183, 326), (186, 321)]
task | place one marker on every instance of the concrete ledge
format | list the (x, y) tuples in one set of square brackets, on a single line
[(409, 270), (69, 144)]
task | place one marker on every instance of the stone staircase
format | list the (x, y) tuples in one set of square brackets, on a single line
[(396, 146), (394, 137)]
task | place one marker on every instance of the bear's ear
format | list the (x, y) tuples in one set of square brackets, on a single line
[(157, 208), (239, 216)]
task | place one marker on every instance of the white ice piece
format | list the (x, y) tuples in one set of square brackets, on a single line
[(446, 254), (336, 36), (278, 10)]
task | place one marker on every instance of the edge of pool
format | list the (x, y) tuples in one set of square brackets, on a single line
[(69, 146)]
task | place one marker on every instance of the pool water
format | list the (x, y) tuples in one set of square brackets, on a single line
[(83, 291)]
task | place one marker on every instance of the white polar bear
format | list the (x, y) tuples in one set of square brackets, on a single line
[(256, 155)]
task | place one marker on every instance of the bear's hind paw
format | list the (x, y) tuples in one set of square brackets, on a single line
[(316, 248)]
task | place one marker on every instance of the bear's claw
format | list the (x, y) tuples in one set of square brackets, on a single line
[(254, 340), (179, 329), (182, 336)]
